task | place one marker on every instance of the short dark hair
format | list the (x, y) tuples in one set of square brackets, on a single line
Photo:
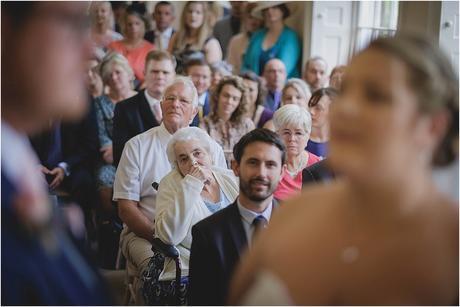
[(138, 11), (165, 3), (318, 94), (258, 135), (195, 62)]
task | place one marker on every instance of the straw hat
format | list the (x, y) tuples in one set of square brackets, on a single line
[(262, 5)]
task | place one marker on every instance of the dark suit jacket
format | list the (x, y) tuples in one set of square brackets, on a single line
[(79, 143), (80, 150), (218, 242), (206, 110), (131, 117), (317, 173)]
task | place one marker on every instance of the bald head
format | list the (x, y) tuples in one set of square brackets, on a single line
[(275, 74), (315, 73)]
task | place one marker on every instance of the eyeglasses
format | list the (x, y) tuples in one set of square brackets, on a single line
[(183, 101), (295, 134)]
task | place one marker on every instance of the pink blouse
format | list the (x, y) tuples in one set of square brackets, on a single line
[(136, 57), (290, 186)]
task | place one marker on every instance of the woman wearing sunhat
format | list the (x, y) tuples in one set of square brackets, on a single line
[(276, 40)]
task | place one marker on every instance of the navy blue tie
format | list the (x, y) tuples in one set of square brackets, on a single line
[(259, 223)]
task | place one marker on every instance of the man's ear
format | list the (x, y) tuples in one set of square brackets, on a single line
[(235, 168)]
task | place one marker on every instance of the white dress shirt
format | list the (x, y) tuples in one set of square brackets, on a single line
[(162, 38), (144, 161), (248, 216), (202, 99)]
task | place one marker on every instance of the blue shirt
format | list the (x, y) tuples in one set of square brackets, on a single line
[(222, 203), (273, 100), (319, 149)]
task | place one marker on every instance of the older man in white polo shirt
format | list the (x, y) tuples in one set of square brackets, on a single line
[(143, 162)]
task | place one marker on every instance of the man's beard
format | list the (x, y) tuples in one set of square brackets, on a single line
[(247, 189)]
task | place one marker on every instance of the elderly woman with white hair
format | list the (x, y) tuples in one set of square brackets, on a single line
[(192, 191), (295, 91), (293, 125), (118, 77)]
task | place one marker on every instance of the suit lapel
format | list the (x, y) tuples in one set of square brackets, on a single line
[(236, 229), (148, 120)]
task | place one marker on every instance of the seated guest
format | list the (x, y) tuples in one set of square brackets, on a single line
[(134, 47), (295, 91), (226, 123), (200, 73), (239, 42), (102, 22), (118, 76), (142, 112), (192, 191), (276, 40), (228, 26), (275, 78), (143, 162), (219, 240), (68, 154), (382, 234), (319, 109), (255, 92), (163, 15), (336, 77), (293, 125), (194, 35), (94, 84), (315, 73), (218, 71)]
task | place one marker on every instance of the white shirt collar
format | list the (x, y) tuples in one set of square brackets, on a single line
[(249, 215), (202, 99), (166, 33), (150, 99)]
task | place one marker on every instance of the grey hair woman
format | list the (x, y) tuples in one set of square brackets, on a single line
[(293, 125)]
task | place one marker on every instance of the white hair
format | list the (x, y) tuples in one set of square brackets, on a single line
[(300, 86), (188, 83), (294, 115), (192, 134)]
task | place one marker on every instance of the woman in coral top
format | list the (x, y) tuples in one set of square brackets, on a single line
[(134, 47), (293, 125)]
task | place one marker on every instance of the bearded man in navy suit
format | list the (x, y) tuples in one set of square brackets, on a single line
[(219, 240)]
